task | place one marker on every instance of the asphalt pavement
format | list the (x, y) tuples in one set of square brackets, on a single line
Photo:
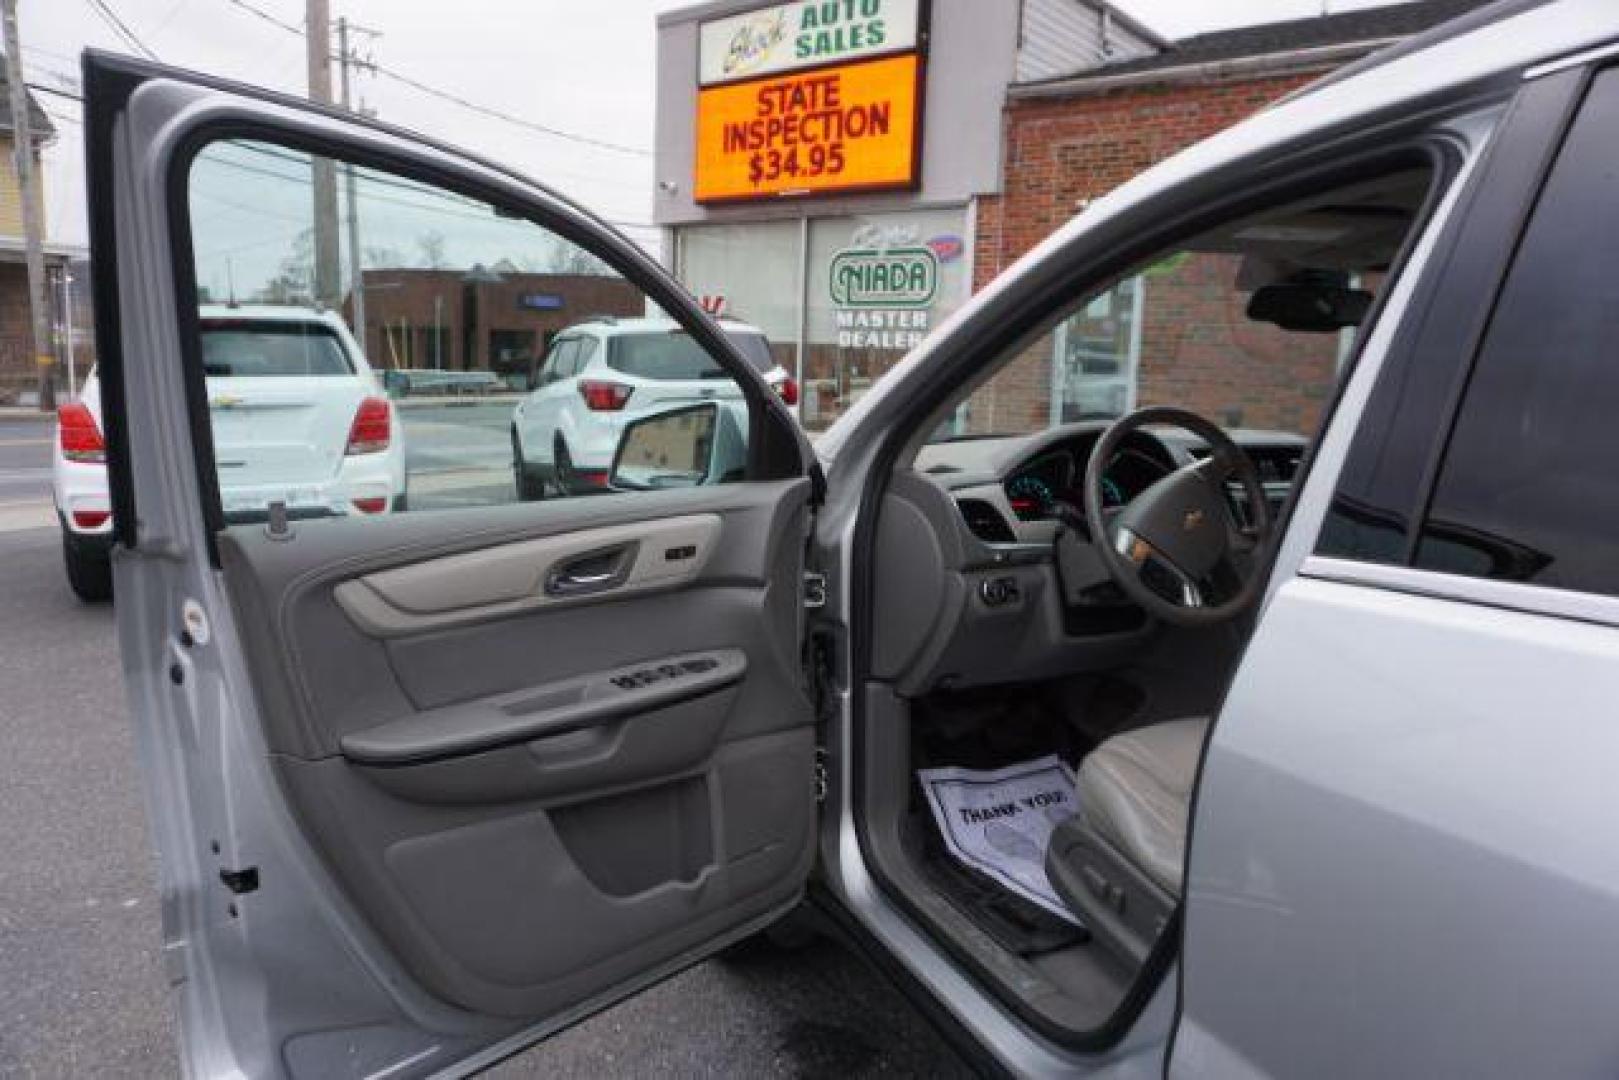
[(25, 472), (81, 988)]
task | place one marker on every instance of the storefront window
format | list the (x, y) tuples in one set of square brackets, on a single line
[(754, 269), (878, 283)]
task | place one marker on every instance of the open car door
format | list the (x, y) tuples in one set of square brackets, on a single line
[(427, 784)]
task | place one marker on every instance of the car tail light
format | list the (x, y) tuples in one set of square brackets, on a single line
[(788, 389), (91, 519), (372, 427), (77, 432), (602, 396), (371, 504)]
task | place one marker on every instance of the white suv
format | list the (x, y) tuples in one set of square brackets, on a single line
[(298, 418), (601, 373)]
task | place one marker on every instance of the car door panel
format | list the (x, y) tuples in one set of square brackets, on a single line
[(542, 754), (477, 800)]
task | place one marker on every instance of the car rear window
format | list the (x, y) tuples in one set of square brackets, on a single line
[(246, 349), (673, 354)]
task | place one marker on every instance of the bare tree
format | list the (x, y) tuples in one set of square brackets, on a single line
[(379, 256), (430, 250), (294, 279), (567, 258)]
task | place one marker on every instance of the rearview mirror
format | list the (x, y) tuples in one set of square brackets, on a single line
[(685, 447), (1311, 307)]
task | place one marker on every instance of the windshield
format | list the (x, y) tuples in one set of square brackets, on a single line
[(673, 354), (245, 349)]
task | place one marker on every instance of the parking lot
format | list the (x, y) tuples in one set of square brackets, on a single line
[(81, 983)]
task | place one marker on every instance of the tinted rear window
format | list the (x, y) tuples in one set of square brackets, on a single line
[(246, 349), (676, 355)]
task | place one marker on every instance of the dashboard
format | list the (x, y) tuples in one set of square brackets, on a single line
[(969, 588), (1008, 488)]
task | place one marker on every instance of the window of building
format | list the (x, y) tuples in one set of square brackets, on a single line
[(867, 290), (751, 273), (877, 284)]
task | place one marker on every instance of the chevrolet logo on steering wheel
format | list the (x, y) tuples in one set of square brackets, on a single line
[(1193, 519)]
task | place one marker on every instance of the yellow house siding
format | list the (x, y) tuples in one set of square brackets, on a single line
[(10, 198)]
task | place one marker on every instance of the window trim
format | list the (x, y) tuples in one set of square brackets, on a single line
[(1530, 599)]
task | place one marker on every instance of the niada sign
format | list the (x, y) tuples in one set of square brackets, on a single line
[(882, 295), (786, 37), (898, 277)]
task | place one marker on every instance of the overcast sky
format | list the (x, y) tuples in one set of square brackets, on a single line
[(581, 66)]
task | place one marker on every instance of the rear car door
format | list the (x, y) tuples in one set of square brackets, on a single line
[(425, 786), (1400, 859)]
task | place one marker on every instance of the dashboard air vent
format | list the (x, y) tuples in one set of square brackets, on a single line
[(985, 521)]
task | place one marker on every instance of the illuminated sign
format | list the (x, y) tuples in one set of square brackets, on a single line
[(810, 33), (831, 129)]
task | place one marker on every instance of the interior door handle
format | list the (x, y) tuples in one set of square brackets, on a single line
[(591, 572)]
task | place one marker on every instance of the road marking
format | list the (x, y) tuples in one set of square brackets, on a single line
[(26, 514)]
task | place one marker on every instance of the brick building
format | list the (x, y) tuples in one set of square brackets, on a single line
[(487, 319), (1070, 139), (1028, 110)]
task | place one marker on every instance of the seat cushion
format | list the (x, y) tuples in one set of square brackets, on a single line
[(1135, 792)]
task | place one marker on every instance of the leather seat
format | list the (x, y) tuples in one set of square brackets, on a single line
[(1117, 862)]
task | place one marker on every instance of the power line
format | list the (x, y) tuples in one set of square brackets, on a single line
[(496, 114), (372, 177), (70, 95), (469, 208), (455, 99), (255, 10), (120, 28)]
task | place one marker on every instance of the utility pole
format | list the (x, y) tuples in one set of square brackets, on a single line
[(347, 59), (67, 331), (33, 227), (318, 39)]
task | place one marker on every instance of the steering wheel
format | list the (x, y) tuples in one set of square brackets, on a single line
[(1177, 547)]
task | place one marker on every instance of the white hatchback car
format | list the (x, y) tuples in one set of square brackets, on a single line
[(298, 418), (601, 373)]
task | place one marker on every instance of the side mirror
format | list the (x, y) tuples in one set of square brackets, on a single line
[(684, 447), (1310, 307)]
